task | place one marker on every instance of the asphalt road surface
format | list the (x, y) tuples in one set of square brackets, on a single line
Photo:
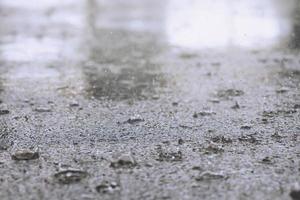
[(149, 99)]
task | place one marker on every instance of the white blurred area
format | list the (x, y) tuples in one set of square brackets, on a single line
[(195, 24), (37, 4), (217, 24)]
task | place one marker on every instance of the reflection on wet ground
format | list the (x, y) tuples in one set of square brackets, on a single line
[(221, 24), (205, 24), (125, 38), (121, 66), (291, 75), (295, 35), (121, 62), (118, 42), (1, 89), (123, 82), (127, 84)]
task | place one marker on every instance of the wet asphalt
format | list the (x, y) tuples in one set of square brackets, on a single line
[(149, 99)]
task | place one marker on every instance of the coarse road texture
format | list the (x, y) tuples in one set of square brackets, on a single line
[(149, 99)]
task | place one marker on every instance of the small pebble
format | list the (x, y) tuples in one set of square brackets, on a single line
[(267, 160), (170, 156), (246, 127), (282, 90), (203, 114), (25, 155), (248, 138), (213, 149), (295, 192), (42, 109), (297, 106), (236, 106), (197, 168), (124, 161), (225, 94), (175, 104), (107, 187), (205, 176), (221, 139), (70, 176), (4, 112), (135, 119), (215, 100), (74, 104), (180, 141)]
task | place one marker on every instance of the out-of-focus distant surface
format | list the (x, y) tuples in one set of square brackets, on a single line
[(189, 23)]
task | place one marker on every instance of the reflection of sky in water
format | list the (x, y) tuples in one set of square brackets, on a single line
[(187, 23), (36, 4), (28, 49), (33, 72), (211, 24), (128, 34), (33, 31)]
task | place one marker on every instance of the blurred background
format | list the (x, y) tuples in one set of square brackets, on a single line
[(195, 24), (128, 36)]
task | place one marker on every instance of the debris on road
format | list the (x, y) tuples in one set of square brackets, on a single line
[(42, 109), (169, 156), (207, 176), (70, 176), (124, 161), (4, 112), (108, 187), (25, 155), (203, 114), (135, 119), (227, 94)]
